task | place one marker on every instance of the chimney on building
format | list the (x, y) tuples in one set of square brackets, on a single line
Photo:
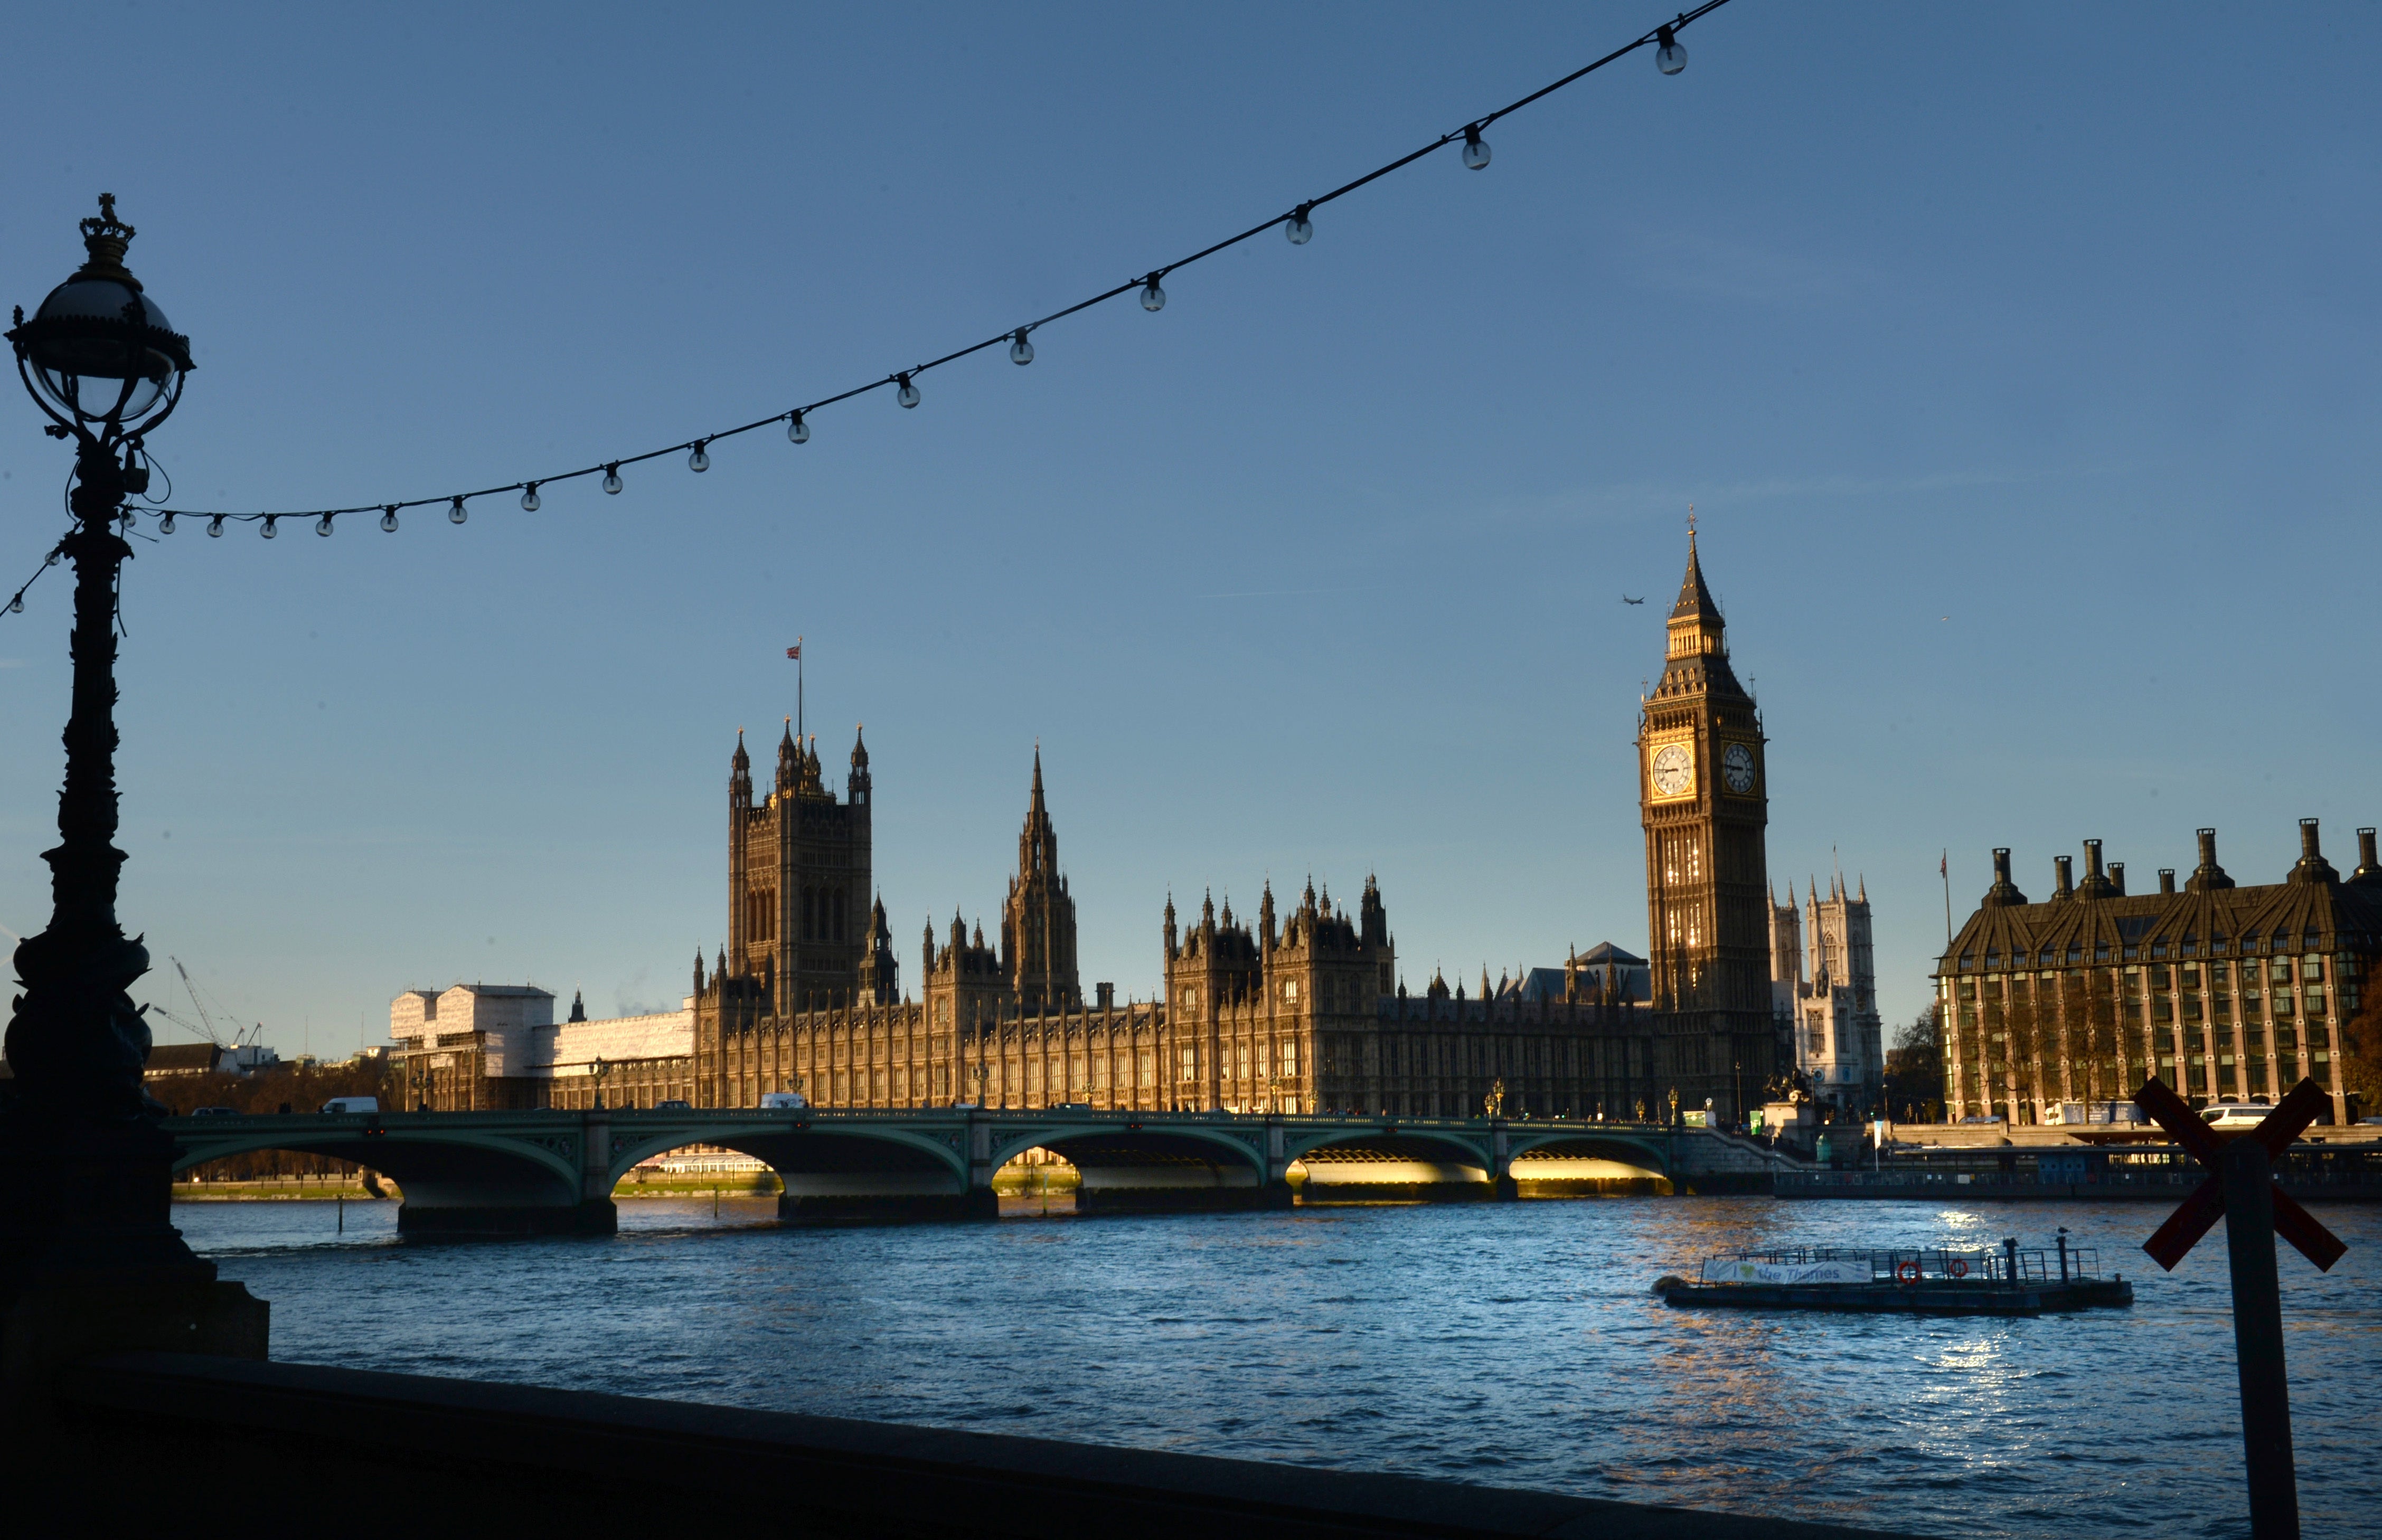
[(2166, 879), (1106, 994), (2004, 893), (2209, 876), (2368, 868), (2096, 882), (2065, 866), (2118, 877), (2312, 865)]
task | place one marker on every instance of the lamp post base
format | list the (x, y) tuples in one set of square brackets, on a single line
[(91, 1264)]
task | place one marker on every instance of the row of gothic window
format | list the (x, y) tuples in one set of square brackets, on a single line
[(823, 914)]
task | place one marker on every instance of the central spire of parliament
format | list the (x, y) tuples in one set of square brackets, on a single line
[(1038, 919)]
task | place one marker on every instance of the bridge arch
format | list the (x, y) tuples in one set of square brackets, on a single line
[(1128, 1163), (1126, 1132), (803, 1150), (1646, 1152), (451, 1178), (1583, 1162), (833, 1169), (1399, 1140), (1394, 1162)]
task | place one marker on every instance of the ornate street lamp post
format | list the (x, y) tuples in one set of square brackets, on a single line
[(102, 362)]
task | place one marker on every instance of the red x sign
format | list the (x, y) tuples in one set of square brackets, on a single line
[(2206, 1205)]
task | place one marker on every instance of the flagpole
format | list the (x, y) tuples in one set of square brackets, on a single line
[(1943, 867), (798, 721)]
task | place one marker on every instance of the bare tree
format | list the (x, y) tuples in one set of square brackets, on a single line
[(2360, 1046), (2027, 1028), (2134, 1046), (2096, 1032), (1914, 1068)]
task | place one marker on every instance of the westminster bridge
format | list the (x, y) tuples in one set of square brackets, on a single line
[(548, 1171)]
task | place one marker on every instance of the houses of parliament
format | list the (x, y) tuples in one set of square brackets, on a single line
[(1299, 1007)]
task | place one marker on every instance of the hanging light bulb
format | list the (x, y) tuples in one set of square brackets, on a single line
[(798, 431), (612, 477), (323, 526), (1299, 227), (16, 605), (165, 524), (1476, 153), (50, 560), (389, 520), (529, 499), (698, 460), (270, 520), (1669, 58), (455, 514), (1021, 353), (215, 527), (1152, 297), (908, 394)]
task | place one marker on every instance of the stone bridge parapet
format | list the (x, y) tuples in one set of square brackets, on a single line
[(548, 1171)]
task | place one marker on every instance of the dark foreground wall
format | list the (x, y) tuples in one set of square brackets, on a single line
[(192, 1443)]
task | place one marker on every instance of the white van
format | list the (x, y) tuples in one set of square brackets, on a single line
[(2236, 1115), (783, 1101), (353, 1103)]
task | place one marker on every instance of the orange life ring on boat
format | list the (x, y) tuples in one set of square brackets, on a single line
[(1905, 1271), (1958, 1268)]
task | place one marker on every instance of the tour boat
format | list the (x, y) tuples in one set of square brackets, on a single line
[(1926, 1281)]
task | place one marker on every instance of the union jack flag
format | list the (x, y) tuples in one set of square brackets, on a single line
[(795, 650)]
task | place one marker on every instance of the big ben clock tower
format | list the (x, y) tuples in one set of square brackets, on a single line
[(1704, 799)]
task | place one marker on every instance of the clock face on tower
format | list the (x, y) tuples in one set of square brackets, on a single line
[(1675, 770), (1736, 768)]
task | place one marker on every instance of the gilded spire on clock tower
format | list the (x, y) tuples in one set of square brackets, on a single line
[(1704, 802)]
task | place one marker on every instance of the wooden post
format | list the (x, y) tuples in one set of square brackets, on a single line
[(2258, 1341)]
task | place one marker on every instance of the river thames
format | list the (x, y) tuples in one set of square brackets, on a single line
[(1514, 1344)]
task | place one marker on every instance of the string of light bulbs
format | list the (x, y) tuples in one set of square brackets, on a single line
[(1297, 223), (17, 601)]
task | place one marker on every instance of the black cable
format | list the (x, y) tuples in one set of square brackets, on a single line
[(1660, 33), (17, 601)]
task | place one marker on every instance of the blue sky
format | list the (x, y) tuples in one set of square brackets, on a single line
[(2019, 362)]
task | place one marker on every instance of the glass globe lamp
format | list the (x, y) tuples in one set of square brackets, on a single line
[(99, 355)]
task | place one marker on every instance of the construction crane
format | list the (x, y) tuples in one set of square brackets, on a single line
[(206, 1026), (190, 1027)]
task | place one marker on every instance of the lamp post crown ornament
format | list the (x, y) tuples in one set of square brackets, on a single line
[(106, 238)]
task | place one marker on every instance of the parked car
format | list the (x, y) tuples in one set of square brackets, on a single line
[(674, 1105), (215, 1112), (353, 1103), (783, 1101)]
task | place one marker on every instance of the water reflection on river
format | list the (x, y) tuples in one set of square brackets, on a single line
[(1514, 1344)]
